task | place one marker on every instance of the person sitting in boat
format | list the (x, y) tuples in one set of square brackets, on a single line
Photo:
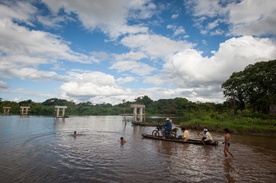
[(185, 135), (166, 127), (207, 137)]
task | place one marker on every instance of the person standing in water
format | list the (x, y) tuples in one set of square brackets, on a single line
[(227, 143)]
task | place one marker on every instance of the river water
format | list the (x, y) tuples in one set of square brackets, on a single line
[(42, 149)]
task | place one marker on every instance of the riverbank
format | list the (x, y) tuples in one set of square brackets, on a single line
[(237, 124)]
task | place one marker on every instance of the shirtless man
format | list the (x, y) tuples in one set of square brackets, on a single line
[(227, 143)]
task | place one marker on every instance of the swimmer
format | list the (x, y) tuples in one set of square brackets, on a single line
[(122, 140), (75, 133)]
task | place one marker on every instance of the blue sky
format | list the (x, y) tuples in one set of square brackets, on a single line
[(106, 51)]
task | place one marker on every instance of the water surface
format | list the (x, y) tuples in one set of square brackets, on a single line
[(42, 149)]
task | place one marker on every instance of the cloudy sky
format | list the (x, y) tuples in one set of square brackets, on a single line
[(105, 51)]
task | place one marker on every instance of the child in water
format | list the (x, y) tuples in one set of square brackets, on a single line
[(122, 140), (75, 133)]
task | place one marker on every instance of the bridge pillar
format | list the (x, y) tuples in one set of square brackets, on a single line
[(24, 110), (138, 117), (62, 115), (6, 110)]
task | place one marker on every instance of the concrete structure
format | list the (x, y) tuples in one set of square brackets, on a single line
[(138, 117), (62, 115), (24, 110), (6, 110)]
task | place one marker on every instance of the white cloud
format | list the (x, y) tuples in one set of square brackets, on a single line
[(177, 29), (138, 68), (26, 48), (155, 45), (205, 8), (233, 55), (3, 85), (33, 74), (245, 17), (253, 17), (26, 94), (213, 24), (190, 70), (89, 85), (217, 32), (19, 10), (127, 79), (130, 56), (109, 16), (174, 16)]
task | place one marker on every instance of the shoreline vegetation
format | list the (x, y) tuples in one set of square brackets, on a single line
[(243, 124)]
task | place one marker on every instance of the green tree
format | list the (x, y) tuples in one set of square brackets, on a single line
[(145, 100), (255, 85)]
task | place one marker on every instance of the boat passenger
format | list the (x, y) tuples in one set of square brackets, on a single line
[(167, 126), (227, 143), (185, 135), (207, 135), (122, 140)]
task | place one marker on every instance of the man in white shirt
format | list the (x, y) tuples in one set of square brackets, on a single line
[(207, 135)]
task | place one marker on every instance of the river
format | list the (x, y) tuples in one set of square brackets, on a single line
[(42, 149)]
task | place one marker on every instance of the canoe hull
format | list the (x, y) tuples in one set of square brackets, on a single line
[(190, 141)]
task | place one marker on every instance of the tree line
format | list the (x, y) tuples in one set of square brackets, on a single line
[(252, 89), (170, 107)]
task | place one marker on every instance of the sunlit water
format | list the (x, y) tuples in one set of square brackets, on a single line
[(42, 149)]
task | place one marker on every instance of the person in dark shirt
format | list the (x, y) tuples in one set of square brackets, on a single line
[(167, 126)]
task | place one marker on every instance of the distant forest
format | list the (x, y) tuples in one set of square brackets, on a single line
[(169, 107)]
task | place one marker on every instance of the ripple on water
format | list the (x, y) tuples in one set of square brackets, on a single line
[(97, 156)]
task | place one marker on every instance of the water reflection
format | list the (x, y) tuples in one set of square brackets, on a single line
[(229, 170), (41, 149)]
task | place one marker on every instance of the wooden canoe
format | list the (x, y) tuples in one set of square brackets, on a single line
[(189, 141)]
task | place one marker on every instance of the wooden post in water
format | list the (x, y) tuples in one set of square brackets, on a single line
[(6, 110), (24, 110), (141, 112), (58, 111)]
